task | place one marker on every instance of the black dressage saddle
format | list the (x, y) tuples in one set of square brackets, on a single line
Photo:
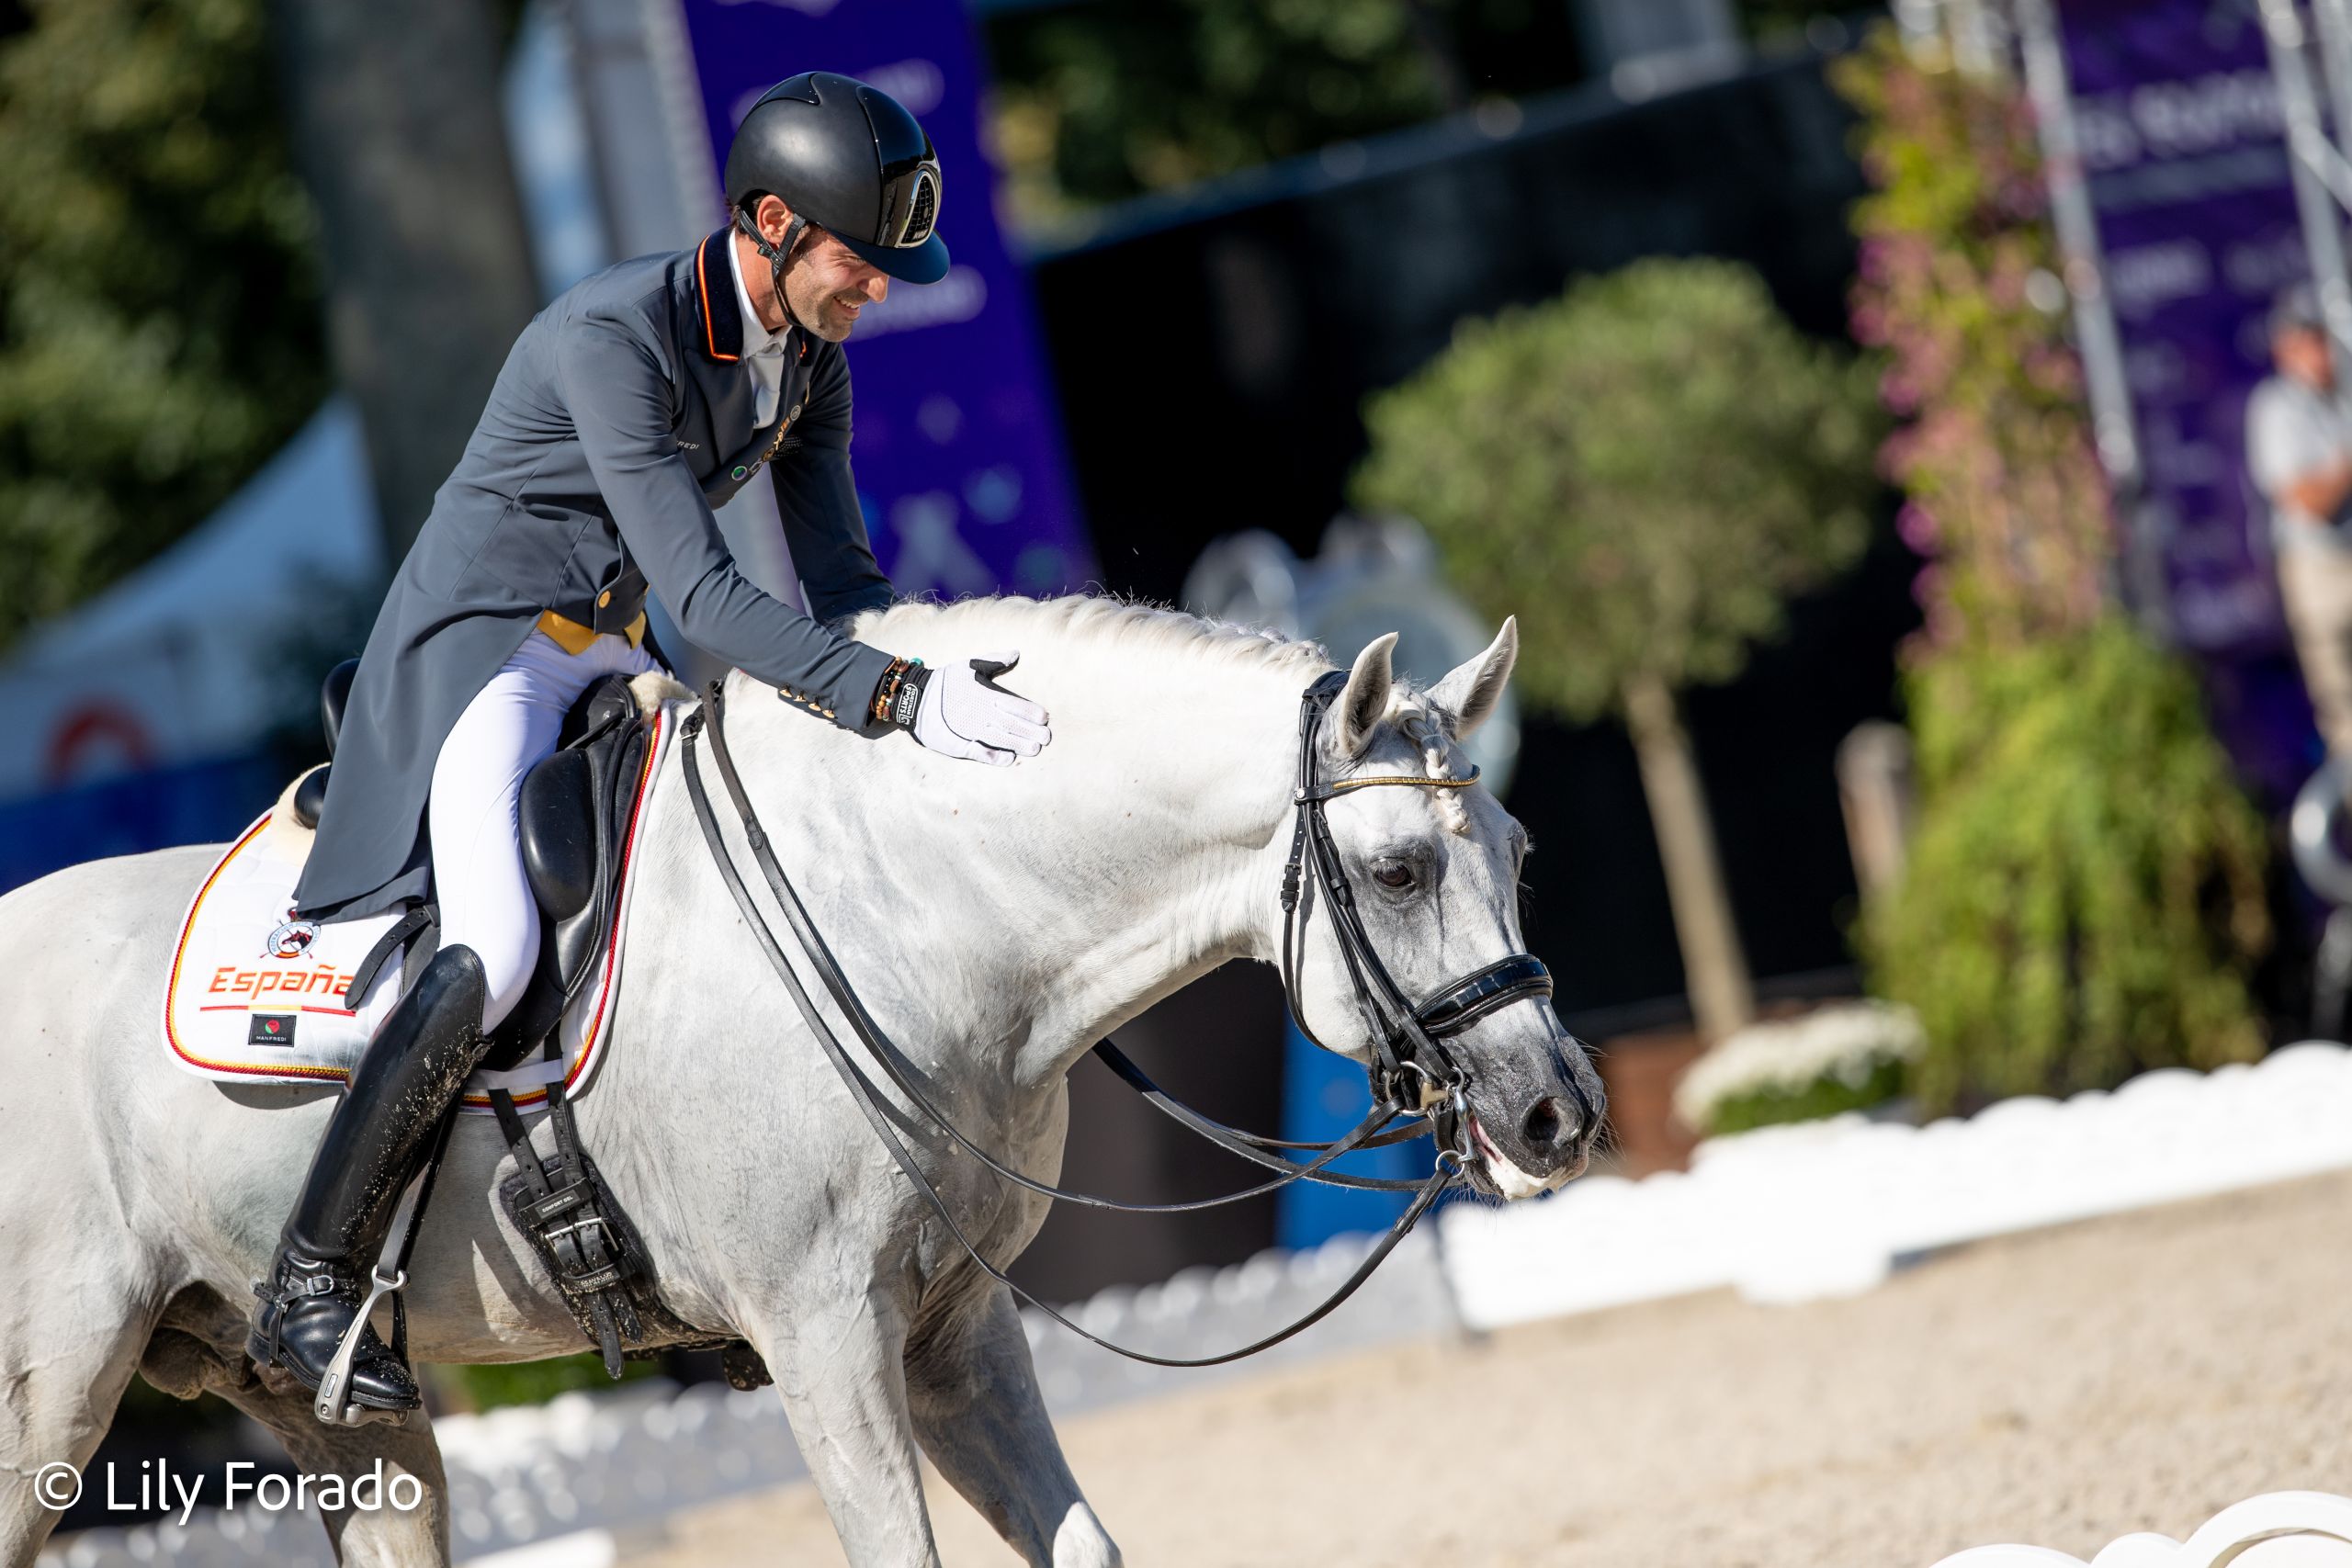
[(574, 821)]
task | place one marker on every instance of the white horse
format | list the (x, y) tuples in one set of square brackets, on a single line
[(996, 922)]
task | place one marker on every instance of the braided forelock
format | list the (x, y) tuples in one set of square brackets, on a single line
[(1422, 726)]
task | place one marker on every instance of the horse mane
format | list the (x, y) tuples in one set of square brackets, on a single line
[(1099, 622), (1110, 626)]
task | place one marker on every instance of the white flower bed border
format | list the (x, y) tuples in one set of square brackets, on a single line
[(1846, 1040), (1784, 1215)]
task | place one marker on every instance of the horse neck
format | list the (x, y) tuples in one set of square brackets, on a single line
[(1024, 911)]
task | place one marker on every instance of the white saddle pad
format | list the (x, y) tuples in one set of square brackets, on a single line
[(256, 995)]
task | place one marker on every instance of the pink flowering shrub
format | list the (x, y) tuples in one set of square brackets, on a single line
[(2084, 895)]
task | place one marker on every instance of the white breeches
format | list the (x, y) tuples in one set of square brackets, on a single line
[(511, 723)]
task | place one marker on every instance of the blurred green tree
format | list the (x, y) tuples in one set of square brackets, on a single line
[(2084, 897), (1645, 471), (1099, 102), (1095, 102), (160, 331)]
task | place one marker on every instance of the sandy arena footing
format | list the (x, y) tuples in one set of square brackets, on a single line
[(2063, 1388)]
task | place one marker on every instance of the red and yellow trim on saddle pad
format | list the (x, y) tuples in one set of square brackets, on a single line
[(240, 955), (284, 1071)]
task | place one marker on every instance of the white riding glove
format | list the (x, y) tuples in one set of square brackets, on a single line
[(961, 711)]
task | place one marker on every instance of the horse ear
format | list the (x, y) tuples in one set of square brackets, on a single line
[(1468, 694), (1358, 711)]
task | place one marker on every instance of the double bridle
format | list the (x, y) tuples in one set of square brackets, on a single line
[(1412, 1071), (1414, 1077)]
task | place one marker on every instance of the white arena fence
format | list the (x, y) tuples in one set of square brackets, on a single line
[(1784, 1215)]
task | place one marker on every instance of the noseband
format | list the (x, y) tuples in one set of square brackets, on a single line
[(1413, 1073)]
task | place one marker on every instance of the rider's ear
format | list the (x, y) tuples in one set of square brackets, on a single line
[(774, 217), (1358, 712), (1467, 695)]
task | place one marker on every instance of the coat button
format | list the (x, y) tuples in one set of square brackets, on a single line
[(604, 599)]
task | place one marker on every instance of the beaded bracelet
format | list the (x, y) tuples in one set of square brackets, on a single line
[(885, 691)]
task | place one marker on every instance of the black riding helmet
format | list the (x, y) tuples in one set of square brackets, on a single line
[(851, 160)]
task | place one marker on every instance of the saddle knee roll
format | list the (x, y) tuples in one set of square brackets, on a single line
[(557, 824), (572, 818)]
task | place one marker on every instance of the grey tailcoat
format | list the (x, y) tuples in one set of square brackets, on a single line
[(622, 416)]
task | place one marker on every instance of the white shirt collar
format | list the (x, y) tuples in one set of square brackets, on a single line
[(756, 336)]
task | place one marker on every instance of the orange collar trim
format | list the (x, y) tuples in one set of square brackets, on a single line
[(723, 322)]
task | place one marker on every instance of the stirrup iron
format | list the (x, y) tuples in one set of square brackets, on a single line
[(329, 1407)]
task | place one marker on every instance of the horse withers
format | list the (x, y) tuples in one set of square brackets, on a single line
[(995, 921)]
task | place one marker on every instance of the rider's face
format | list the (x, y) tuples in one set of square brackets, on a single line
[(2302, 352), (827, 286)]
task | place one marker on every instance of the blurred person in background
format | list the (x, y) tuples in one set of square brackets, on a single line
[(2298, 449), (629, 408)]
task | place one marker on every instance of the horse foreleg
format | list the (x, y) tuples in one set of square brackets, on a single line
[(398, 1519), (839, 1368), (401, 1525), (62, 1370), (973, 1392)]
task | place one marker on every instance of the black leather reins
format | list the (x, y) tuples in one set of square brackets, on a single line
[(1406, 1037)]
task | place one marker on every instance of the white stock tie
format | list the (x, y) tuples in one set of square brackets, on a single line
[(767, 379)]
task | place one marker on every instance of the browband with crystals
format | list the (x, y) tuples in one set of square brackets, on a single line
[(1418, 781)]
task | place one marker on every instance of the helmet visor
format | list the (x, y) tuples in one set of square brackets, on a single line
[(907, 245), (926, 263)]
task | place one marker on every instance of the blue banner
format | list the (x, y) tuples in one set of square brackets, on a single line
[(957, 441), (201, 803)]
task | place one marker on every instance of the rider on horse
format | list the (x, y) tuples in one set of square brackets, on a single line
[(630, 407)]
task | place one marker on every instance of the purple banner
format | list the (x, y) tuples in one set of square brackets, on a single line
[(2188, 169), (956, 443)]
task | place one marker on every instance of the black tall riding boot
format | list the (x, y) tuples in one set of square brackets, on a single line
[(405, 1082)]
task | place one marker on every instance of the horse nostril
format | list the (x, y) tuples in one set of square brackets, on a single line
[(1547, 1125)]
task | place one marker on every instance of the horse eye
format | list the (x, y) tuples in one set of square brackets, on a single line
[(1393, 874)]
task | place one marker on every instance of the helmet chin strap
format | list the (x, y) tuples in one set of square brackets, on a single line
[(777, 258)]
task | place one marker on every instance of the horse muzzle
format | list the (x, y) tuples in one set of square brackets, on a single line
[(1528, 1132)]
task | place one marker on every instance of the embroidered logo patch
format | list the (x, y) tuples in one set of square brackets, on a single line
[(291, 940), (271, 1029)]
